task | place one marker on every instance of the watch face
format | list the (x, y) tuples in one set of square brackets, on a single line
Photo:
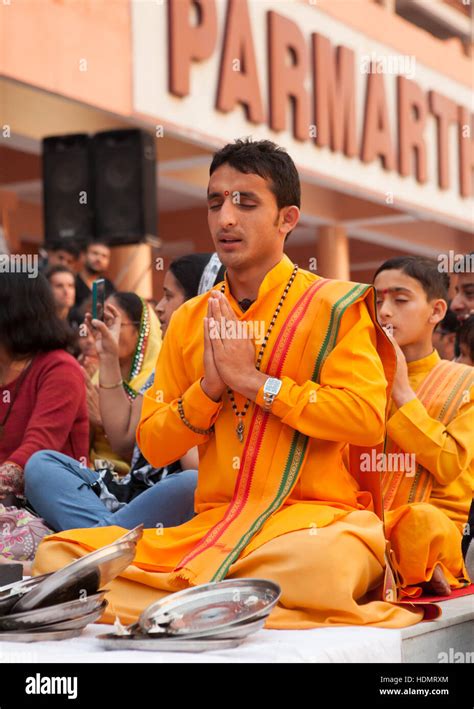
[(272, 386)]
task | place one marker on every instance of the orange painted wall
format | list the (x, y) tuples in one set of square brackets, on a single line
[(43, 42)]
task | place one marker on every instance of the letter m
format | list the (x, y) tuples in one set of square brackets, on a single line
[(334, 96)]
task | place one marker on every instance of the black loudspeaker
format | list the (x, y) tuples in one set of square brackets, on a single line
[(68, 189), (125, 186)]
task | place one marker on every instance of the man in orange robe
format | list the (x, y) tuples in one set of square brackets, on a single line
[(431, 422), (271, 414)]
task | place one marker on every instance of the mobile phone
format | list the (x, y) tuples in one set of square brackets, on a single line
[(98, 299)]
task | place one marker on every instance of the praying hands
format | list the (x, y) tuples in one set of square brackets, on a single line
[(229, 359), (402, 391)]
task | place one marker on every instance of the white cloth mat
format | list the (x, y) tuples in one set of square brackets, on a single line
[(338, 644)]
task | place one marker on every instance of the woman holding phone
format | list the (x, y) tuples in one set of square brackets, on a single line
[(69, 496), (138, 339)]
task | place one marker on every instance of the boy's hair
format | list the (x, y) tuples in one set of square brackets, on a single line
[(426, 271), (268, 160), (466, 335)]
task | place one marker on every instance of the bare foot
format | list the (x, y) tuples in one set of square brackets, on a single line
[(438, 586)]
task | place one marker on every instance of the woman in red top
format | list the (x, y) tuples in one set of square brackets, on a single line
[(42, 388)]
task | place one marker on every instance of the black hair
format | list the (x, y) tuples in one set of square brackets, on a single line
[(188, 271), (59, 268), (131, 303), (97, 242), (69, 248), (426, 271), (268, 160), (466, 335), (28, 320)]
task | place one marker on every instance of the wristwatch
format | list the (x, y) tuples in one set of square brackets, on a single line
[(270, 390)]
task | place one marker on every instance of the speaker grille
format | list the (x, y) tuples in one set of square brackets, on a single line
[(125, 186), (100, 188), (68, 190)]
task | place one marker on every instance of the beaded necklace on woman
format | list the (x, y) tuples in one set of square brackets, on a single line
[(240, 429), (139, 355)]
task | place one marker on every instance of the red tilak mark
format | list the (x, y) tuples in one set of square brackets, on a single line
[(226, 192)]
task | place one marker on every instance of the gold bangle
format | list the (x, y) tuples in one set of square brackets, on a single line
[(111, 386)]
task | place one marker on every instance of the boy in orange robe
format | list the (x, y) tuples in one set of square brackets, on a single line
[(431, 422)]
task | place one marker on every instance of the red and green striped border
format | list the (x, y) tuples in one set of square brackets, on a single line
[(300, 441)]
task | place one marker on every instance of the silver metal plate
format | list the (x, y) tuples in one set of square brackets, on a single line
[(83, 576), (25, 584), (210, 607), (21, 637), (10, 593), (134, 535), (148, 642), (75, 623), (52, 614)]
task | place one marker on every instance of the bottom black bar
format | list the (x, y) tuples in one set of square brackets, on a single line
[(373, 685)]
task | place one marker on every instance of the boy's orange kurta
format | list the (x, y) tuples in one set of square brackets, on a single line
[(426, 511), (281, 505)]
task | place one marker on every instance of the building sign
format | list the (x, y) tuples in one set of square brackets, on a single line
[(350, 111)]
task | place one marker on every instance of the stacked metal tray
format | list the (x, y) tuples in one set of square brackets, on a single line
[(59, 605), (212, 616)]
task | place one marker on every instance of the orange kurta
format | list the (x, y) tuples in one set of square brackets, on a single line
[(428, 532), (286, 486)]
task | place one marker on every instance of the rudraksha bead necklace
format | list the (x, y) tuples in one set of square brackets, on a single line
[(240, 414)]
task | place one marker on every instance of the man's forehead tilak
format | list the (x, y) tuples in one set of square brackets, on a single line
[(241, 193)]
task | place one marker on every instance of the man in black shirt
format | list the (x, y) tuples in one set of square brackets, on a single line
[(96, 263)]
